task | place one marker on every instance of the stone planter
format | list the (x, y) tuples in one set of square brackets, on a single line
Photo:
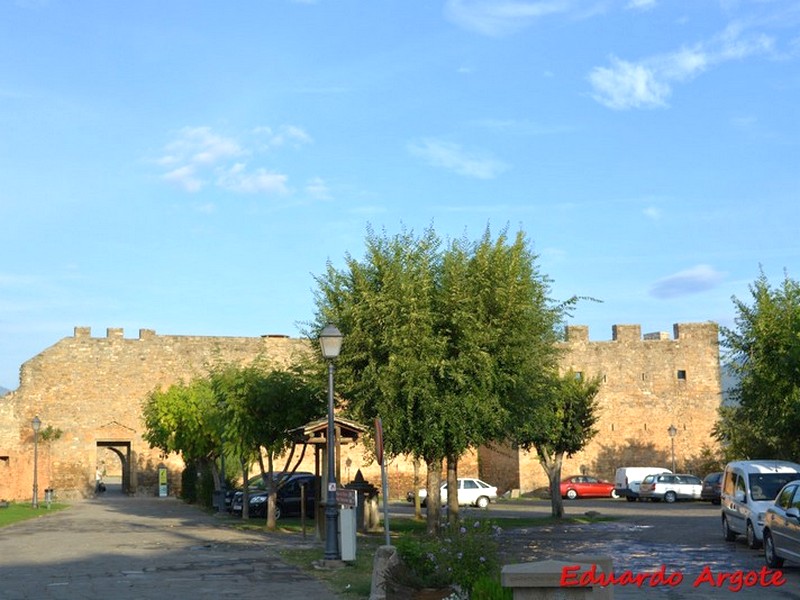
[(408, 593)]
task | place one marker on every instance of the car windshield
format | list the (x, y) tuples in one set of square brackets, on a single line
[(765, 486)]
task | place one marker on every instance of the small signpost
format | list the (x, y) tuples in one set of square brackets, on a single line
[(162, 482)]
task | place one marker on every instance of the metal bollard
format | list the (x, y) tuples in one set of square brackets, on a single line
[(48, 496)]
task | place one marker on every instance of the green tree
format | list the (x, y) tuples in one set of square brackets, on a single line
[(260, 407), (556, 423), (763, 351), (436, 338), (185, 419)]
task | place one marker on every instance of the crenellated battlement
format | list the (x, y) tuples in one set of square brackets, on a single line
[(633, 333)]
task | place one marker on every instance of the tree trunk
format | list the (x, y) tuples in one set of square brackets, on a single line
[(552, 466), (434, 501), (417, 503), (452, 490), (245, 492), (272, 524)]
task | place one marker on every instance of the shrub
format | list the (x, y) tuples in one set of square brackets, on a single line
[(489, 587), (458, 556)]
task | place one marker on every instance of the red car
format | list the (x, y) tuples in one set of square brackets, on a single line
[(586, 486)]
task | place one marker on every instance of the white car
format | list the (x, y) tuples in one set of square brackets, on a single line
[(782, 527), (670, 487), (471, 492)]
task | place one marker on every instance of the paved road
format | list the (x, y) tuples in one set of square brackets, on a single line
[(684, 538), (144, 549), (151, 548)]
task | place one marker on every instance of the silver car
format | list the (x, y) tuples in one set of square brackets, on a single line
[(782, 527), (670, 487)]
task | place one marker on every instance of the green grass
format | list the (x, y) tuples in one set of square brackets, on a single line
[(16, 512)]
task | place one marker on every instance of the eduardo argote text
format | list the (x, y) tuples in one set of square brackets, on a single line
[(575, 576)]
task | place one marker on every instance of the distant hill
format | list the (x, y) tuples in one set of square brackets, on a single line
[(3, 391), (729, 381)]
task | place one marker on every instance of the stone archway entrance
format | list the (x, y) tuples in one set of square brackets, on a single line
[(116, 472)]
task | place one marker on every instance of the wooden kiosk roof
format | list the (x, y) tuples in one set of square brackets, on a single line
[(316, 432)]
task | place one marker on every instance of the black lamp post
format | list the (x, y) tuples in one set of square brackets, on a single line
[(330, 341), (672, 431), (36, 424)]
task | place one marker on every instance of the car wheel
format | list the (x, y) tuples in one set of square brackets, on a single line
[(572, 494), (630, 498), (482, 502), (752, 540), (277, 512), (670, 497), (773, 560), (727, 532), (614, 494)]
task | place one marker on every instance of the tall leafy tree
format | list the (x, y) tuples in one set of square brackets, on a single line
[(436, 337), (558, 421), (261, 405), (763, 350), (185, 419)]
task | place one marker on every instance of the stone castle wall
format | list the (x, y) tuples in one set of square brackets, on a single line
[(92, 389), (648, 383)]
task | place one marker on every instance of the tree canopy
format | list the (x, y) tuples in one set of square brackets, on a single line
[(245, 411), (439, 339), (184, 419), (556, 423), (763, 351)]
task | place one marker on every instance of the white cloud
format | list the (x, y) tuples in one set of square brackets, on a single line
[(185, 178), (200, 145), (285, 134), (198, 157), (454, 158), (648, 83), (691, 281), (260, 181), (651, 212), (627, 85), (641, 4), (318, 189), (500, 17)]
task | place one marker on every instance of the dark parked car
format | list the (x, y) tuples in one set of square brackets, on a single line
[(257, 483), (586, 486), (712, 488), (288, 501), (782, 527)]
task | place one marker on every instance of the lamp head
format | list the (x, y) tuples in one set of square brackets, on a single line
[(330, 341), (36, 423), (672, 431)]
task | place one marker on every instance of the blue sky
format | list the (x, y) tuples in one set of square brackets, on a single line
[(189, 166)]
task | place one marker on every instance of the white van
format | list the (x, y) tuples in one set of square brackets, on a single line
[(749, 487), (628, 479)]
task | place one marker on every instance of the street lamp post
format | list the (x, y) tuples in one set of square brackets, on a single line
[(672, 431), (330, 341), (36, 424)]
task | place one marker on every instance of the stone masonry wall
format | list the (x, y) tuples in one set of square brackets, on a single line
[(648, 383), (92, 389)]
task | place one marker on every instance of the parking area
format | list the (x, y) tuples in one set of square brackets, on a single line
[(647, 537)]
